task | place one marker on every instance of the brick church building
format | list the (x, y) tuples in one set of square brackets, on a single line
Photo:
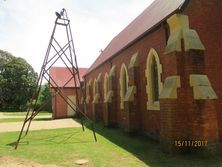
[(161, 76)]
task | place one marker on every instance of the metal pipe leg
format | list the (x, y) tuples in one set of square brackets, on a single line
[(83, 129), (27, 130), (94, 133), (20, 135)]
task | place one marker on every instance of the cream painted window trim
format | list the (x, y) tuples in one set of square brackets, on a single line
[(88, 99), (105, 85), (151, 104), (88, 89), (94, 89), (122, 96)]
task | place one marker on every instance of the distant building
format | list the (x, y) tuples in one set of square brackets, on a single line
[(161, 76), (61, 79)]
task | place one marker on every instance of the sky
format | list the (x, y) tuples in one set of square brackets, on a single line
[(26, 26)]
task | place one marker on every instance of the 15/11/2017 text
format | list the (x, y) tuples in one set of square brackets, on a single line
[(190, 143)]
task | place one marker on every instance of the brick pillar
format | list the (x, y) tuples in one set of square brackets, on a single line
[(100, 102), (97, 101), (82, 95), (188, 113), (110, 102), (94, 111), (89, 99), (131, 103)]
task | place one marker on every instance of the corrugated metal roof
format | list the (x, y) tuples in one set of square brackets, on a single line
[(150, 17), (61, 75)]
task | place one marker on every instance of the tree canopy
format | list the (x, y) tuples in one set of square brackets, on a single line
[(17, 81), (44, 100)]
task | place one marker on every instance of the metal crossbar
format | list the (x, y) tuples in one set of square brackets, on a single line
[(49, 61)]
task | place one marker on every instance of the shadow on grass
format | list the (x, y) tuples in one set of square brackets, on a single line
[(61, 139), (149, 151), (64, 138), (13, 144)]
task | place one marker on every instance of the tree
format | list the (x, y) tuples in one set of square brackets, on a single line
[(45, 96), (17, 81)]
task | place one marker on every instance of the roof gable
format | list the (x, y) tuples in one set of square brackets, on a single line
[(62, 75)]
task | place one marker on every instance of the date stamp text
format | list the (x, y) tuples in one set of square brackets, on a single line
[(190, 143)]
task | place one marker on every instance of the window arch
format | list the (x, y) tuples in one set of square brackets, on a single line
[(94, 89), (154, 84), (123, 84), (88, 91), (106, 85)]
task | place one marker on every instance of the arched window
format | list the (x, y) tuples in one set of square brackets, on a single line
[(154, 84), (94, 89), (106, 85), (88, 90), (123, 84), (154, 76)]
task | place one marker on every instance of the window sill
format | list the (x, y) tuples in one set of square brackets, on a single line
[(153, 106), (122, 105)]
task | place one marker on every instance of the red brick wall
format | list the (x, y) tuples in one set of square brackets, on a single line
[(156, 40), (94, 76), (59, 106), (204, 17)]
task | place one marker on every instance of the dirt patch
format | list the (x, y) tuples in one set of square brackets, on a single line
[(7, 161), (39, 125)]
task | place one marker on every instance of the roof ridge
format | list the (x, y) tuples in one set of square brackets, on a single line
[(157, 11)]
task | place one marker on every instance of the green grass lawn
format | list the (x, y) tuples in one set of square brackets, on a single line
[(113, 149), (22, 119), (42, 113), (11, 114)]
